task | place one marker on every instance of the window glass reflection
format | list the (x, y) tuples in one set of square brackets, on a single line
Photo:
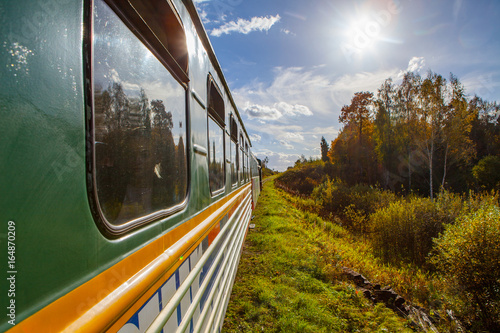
[(241, 167), (234, 163), (216, 155), (140, 125)]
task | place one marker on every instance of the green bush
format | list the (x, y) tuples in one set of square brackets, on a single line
[(303, 179), (353, 204), (476, 201), (486, 173), (468, 255), (330, 196), (403, 231)]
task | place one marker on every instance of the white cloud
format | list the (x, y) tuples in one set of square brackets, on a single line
[(288, 32), (204, 16), (255, 138), (276, 111), (295, 137), (457, 6), (246, 26), (484, 84), (293, 110), (278, 132), (307, 92), (364, 81), (294, 92), (416, 64), (286, 144), (330, 132), (262, 112)]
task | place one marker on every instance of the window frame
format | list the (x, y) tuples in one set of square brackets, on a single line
[(145, 35), (130, 16)]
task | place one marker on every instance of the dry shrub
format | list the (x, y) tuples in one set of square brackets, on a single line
[(302, 180), (468, 255), (353, 204)]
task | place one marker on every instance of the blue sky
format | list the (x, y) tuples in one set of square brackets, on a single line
[(292, 64)]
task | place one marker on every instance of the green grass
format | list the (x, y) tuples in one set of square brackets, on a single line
[(357, 251), (289, 278)]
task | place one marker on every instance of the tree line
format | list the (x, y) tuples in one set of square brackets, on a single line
[(420, 135), (426, 137)]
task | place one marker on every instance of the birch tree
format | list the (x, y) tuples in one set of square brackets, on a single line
[(431, 120)]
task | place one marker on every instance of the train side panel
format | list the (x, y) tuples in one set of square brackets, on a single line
[(71, 273)]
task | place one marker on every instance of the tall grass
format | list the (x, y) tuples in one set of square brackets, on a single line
[(443, 252), (289, 277), (352, 204), (404, 230), (302, 180), (356, 251)]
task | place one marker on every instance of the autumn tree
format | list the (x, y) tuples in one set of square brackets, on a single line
[(416, 135), (358, 112), (265, 162), (144, 109), (485, 132), (301, 160), (432, 116), (384, 135), (357, 138), (340, 155), (119, 104), (324, 150), (458, 149), (486, 173), (406, 110)]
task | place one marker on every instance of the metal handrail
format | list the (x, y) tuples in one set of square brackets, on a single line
[(204, 313), (192, 308), (168, 310), (226, 287)]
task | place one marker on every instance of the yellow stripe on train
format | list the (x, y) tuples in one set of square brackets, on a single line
[(112, 297)]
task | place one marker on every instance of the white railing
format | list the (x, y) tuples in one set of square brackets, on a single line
[(226, 262)]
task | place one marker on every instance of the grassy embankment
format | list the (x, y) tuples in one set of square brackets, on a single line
[(289, 278), (442, 253)]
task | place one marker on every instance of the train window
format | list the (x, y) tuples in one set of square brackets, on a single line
[(234, 151), (254, 167), (139, 111), (216, 165), (247, 156), (241, 170)]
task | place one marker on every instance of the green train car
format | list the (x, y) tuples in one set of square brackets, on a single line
[(126, 176)]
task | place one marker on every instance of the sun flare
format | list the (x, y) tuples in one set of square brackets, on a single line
[(366, 28), (362, 33)]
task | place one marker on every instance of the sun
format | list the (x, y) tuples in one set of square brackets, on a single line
[(362, 33), (365, 28)]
